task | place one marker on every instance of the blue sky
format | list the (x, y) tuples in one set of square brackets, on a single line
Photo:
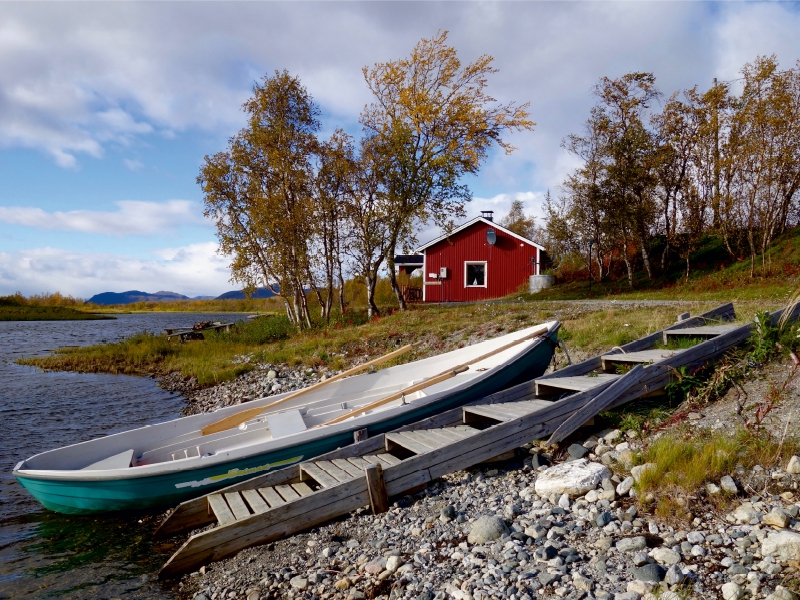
[(107, 109)]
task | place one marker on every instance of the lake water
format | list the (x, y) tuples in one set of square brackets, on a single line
[(45, 554)]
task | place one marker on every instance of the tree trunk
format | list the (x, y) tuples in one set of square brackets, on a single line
[(629, 267), (372, 308), (289, 312), (393, 279), (646, 261), (687, 268)]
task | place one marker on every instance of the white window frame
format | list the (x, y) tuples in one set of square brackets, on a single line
[(485, 273)]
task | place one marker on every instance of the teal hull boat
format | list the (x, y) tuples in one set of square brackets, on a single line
[(167, 463)]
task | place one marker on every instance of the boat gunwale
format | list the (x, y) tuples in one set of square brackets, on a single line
[(202, 462)]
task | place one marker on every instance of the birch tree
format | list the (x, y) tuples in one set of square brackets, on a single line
[(431, 123)]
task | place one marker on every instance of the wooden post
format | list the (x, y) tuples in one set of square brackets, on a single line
[(376, 486), (360, 435)]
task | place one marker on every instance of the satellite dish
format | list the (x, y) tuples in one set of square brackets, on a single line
[(491, 237)]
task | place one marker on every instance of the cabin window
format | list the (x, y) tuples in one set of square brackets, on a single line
[(475, 274)]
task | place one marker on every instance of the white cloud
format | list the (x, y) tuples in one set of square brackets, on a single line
[(78, 79), (133, 218), (132, 165), (192, 270)]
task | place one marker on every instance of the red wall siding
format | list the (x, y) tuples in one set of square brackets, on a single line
[(508, 265)]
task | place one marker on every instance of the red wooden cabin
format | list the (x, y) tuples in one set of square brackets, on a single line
[(478, 260)]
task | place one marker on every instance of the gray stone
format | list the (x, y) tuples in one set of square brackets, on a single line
[(651, 572), (728, 485), (271, 375), (536, 532), (487, 529), (393, 563), (736, 569), (574, 478), (577, 451), (746, 513), (674, 575), (625, 486), (603, 519), (639, 559), (548, 578), (695, 537), (299, 582), (201, 597), (731, 591), (604, 543), (632, 544), (253, 594), (793, 468), (563, 501), (666, 556), (627, 596), (777, 517), (448, 513)]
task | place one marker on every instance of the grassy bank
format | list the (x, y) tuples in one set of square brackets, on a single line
[(714, 276), (46, 313), (223, 356)]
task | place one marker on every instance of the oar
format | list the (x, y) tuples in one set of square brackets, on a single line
[(245, 415), (433, 380), (397, 395)]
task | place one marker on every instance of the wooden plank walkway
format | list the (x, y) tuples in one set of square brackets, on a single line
[(705, 331), (416, 454)]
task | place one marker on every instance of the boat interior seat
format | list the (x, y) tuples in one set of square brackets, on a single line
[(118, 461), (286, 423)]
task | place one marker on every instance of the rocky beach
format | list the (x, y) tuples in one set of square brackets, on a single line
[(528, 529), (557, 522)]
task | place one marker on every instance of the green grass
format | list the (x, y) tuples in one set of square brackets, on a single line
[(684, 463), (352, 339), (46, 313)]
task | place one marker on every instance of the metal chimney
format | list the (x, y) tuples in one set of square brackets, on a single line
[(488, 215)]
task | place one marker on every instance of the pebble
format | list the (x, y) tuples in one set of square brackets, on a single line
[(777, 517), (728, 485), (632, 544), (487, 528), (649, 572)]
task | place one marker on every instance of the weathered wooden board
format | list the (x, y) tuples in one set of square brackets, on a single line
[(578, 383), (597, 404)]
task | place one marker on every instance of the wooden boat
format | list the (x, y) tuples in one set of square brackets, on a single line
[(273, 505), (167, 463)]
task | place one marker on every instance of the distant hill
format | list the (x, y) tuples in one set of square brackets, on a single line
[(131, 296), (239, 295)]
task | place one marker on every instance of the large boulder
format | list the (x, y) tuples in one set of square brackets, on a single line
[(487, 529), (572, 478), (783, 545)]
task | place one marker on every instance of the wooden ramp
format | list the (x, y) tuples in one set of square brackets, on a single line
[(298, 497)]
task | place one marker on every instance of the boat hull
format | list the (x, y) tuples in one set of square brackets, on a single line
[(96, 496)]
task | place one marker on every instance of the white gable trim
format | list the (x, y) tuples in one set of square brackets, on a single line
[(473, 222)]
